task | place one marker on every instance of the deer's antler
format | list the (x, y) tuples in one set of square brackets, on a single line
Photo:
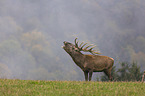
[(86, 48)]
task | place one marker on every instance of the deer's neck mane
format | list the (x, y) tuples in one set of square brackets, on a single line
[(78, 58)]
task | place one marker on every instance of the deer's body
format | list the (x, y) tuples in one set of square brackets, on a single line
[(89, 63)]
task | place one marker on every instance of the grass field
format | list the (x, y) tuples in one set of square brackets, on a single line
[(69, 88)]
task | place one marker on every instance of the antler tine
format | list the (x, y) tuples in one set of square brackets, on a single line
[(93, 46), (89, 46), (83, 46), (91, 49), (76, 42), (96, 52), (93, 52)]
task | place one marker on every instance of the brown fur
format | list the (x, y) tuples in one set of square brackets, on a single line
[(89, 63)]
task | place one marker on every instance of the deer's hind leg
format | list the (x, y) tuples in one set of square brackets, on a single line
[(108, 73)]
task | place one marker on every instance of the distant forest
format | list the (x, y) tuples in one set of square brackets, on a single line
[(32, 33)]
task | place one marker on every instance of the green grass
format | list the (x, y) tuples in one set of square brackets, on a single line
[(69, 88)]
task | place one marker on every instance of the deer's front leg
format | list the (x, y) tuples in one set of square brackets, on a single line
[(86, 75), (90, 75)]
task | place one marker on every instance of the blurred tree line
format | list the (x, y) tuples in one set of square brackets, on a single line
[(32, 32), (127, 72)]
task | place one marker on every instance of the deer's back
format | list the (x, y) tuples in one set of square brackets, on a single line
[(97, 62)]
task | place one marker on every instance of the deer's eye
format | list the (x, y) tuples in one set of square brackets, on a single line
[(73, 48)]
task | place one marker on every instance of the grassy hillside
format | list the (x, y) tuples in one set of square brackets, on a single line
[(69, 88)]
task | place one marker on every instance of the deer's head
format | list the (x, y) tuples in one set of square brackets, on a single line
[(71, 48)]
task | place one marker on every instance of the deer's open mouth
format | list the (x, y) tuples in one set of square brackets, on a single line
[(64, 45)]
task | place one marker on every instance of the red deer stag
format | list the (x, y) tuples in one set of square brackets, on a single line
[(89, 63)]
